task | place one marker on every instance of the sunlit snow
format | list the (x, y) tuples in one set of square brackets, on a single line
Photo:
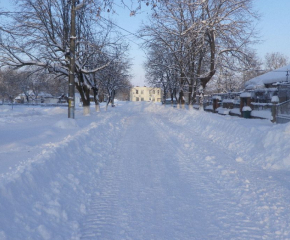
[(142, 171)]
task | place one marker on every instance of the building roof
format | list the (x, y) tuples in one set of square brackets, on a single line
[(275, 76)]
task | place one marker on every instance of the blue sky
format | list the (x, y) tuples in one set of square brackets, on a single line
[(274, 28), (274, 32), (123, 19)]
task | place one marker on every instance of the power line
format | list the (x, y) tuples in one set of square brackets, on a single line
[(130, 33), (134, 34)]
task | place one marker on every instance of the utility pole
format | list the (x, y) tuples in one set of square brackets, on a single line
[(71, 87)]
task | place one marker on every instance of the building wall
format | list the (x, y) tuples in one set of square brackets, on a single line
[(145, 94)]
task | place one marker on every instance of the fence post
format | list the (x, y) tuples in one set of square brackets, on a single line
[(275, 101)]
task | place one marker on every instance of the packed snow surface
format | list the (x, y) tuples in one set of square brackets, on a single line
[(142, 171)]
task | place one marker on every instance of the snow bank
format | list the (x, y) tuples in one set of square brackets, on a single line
[(209, 107), (223, 111), (258, 142), (66, 124), (276, 143), (266, 114), (50, 191), (235, 111)]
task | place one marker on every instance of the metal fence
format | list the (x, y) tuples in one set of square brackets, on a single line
[(284, 92), (37, 104), (283, 112)]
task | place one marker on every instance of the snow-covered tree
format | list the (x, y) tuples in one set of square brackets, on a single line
[(116, 76), (206, 33), (161, 71), (39, 35)]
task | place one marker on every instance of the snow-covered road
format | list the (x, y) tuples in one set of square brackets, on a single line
[(144, 171)]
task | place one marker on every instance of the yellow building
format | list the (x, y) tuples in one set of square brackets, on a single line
[(145, 94)]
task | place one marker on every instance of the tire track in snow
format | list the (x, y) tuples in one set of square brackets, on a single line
[(162, 181), (140, 195), (100, 221)]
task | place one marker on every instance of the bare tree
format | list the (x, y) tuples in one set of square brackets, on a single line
[(275, 60), (206, 32), (39, 35), (161, 71), (116, 76), (9, 85), (232, 73)]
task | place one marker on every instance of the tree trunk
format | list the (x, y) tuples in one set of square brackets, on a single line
[(190, 94), (201, 98), (97, 107), (181, 98), (164, 95), (96, 99), (108, 101), (113, 98), (85, 98), (171, 95)]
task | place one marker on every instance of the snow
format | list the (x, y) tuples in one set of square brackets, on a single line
[(266, 114), (223, 111), (209, 107), (275, 99), (246, 108), (235, 111), (245, 95), (44, 94), (262, 104), (229, 100), (278, 75), (142, 171), (217, 97)]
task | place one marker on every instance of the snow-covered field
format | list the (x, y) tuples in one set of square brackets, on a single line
[(142, 171)]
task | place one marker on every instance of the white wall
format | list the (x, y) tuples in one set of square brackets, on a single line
[(145, 94)]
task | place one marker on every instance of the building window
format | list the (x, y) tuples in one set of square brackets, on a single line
[(142, 99), (137, 99), (158, 92), (153, 91), (136, 91), (142, 91)]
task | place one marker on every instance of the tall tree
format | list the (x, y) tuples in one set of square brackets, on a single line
[(40, 33), (275, 60), (207, 32), (116, 76), (9, 84)]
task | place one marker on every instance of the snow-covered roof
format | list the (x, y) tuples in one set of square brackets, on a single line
[(22, 95), (278, 75), (18, 97), (45, 95)]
